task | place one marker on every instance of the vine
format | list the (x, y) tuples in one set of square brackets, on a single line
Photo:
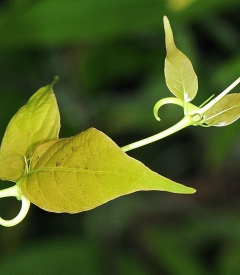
[(77, 174)]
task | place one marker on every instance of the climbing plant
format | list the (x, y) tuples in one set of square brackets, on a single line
[(81, 172)]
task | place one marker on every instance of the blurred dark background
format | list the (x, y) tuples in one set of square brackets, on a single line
[(109, 55)]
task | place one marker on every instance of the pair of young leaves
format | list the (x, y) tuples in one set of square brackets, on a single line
[(70, 174), (182, 81), (84, 171)]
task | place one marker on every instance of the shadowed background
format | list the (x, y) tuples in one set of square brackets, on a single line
[(109, 56)]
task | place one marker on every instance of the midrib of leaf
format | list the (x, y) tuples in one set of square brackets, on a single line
[(82, 170), (179, 72), (89, 171), (222, 112)]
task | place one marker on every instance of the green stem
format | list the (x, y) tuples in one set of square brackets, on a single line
[(186, 121), (15, 191), (220, 96)]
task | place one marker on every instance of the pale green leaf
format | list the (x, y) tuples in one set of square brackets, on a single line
[(84, 171), (35, 123), (179, 73), (224, 112)]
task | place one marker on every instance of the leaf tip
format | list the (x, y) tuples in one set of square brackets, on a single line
[(193, 191), (165, 19), (186, 190), (166, 23), (169, 40)]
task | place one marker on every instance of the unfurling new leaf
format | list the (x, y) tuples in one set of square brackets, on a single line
[(84, 171), (35, 123), (179, 73), (224, 112)]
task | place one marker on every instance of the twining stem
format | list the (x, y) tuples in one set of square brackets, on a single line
[(15, 191), (183, 123), (217, 98), (167, 100)]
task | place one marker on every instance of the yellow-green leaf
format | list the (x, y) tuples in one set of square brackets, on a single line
[(84, 171), (179, 73), (35, 123), (224, 112)]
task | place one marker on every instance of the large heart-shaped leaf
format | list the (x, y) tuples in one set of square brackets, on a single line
[(84, 171), (35, 123), (179, 73), (224, 112)]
